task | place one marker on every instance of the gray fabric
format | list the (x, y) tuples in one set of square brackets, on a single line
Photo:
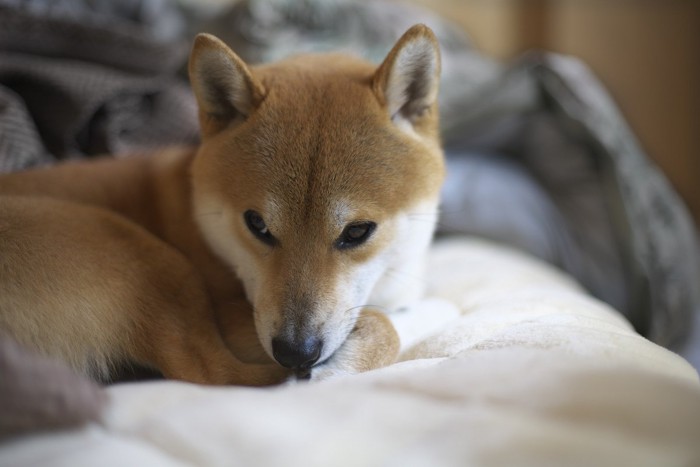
[(492, 196), (635, 237), (509, 117), (77, 80), (137, 35), (656, 233), (37, 393)]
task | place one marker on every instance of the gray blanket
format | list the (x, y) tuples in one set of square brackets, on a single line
[(81, 78)]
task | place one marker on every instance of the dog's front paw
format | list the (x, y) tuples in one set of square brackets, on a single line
[(373, 343)]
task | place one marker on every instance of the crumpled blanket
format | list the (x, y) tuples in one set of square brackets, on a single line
[(84, 78), (39, 394)]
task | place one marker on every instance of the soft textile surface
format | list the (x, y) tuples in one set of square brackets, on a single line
[(37, 393), (88, 77), (506, 362)]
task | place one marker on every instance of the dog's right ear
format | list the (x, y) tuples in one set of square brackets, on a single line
[(222, 83), (407, 82)]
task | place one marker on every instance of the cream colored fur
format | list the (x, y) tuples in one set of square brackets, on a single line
[(303, 216)]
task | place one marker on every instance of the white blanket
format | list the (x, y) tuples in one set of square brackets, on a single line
[(507, 363)]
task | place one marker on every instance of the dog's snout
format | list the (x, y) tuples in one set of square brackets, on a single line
[(297, 355)]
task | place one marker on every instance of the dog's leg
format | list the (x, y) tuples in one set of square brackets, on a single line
[(182, 341), (95, 290), (192, 349), (373, 343)]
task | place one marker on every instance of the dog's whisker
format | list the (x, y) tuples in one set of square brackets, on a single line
[(367, 305)]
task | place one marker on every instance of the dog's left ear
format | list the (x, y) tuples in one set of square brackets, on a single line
[(407, 82), (225, 89)]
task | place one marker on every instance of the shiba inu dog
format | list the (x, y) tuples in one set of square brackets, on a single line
[(272, 248)]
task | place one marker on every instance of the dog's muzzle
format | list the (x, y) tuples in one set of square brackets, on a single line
[(298, 355)]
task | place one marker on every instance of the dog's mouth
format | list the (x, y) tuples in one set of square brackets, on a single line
[(303, 375)]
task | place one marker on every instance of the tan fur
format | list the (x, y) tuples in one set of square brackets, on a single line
[(148, 259)]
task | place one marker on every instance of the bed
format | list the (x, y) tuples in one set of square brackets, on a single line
[(506, 361)]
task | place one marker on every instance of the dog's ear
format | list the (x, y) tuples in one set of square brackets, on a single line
[(222, 83), (407, 82)]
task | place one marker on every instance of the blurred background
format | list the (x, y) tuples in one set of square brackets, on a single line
[(646, 52)]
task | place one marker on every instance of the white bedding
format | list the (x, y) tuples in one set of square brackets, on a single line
[(506, 363)]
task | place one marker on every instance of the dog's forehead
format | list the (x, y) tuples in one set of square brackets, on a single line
[(324, 134), (322, 149)]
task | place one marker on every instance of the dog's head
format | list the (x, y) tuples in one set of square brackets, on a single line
[(317, 180)]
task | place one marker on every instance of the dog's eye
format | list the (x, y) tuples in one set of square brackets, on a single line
[(355, 234), (256, 224)]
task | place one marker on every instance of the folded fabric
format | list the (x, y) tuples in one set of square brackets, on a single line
[(87, 78)]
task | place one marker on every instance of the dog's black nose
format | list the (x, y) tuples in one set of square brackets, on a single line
[(297, 355)]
